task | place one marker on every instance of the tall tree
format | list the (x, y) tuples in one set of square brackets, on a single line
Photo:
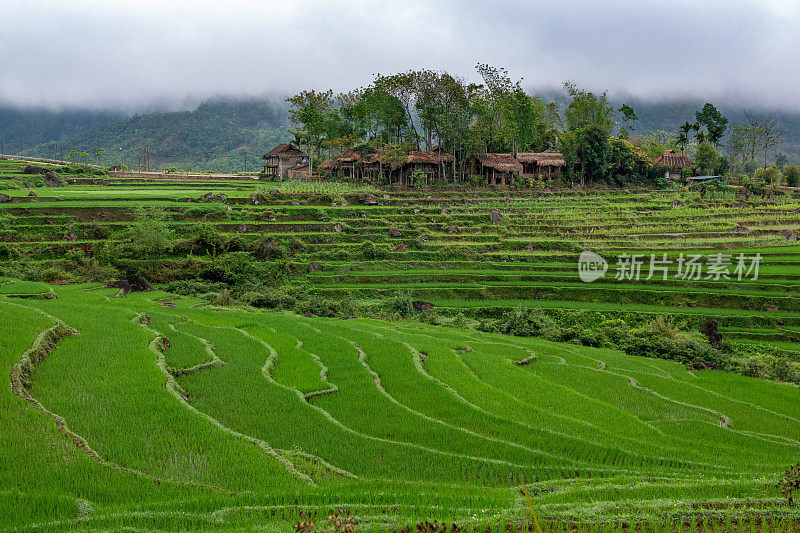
[(628, 117), (311, 110), (587, 108), (713, 121)]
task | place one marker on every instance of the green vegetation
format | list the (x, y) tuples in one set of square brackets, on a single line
[(235, 396)]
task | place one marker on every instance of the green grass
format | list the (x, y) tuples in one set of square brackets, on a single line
[(191, 417), (269, 415)]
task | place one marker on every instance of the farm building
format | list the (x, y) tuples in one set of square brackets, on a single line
[(497, 169), (361, 164), (673, 164), (282, 158), (545, 164)]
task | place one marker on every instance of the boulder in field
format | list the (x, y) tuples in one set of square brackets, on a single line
[(711, 330), (33, 169), (51, 179), (400, 248), (314, 267), (420, 306), (4, 198), (394, 232), (337, 228), (371, 200), (131, 283), (32, 194), (495, 216)]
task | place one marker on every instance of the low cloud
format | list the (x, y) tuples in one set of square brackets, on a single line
[(132, 55)]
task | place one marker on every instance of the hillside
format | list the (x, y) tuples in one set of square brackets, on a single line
[(210, 137), (23, 128)]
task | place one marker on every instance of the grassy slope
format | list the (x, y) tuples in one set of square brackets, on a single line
[(599, 434)]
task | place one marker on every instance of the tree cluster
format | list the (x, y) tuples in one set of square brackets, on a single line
[(421, 109)]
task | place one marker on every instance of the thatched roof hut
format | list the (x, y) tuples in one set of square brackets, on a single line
[(542, 159), (497, 169), (328, 165), (284, 149), (429, 157), (280, 159), (675, 161), (673, 164), (499, 162)]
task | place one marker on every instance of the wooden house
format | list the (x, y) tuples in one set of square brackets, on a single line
[(282, 158), (673, 164), (545, 164), (497, 169), (376, 165)]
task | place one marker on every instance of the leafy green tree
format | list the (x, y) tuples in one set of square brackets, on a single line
[(713, 121), (792, 175), (770, 175), (591, 148), (707, 158), (629, 163), (149, 234), (587, 109), (311, 110), (781, 160), (683, 138), (628, 116)]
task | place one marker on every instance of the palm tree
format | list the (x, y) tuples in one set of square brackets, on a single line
[(700, 136), (686, 128), (682, 141)]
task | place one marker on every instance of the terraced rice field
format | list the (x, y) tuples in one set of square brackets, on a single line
[(157, 411), (143, 415)]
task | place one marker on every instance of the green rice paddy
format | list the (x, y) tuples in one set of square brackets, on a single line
[(154, 411)]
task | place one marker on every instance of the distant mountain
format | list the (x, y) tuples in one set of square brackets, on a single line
[(22, 128), (211, 137)]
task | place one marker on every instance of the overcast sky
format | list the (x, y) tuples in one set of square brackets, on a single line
[(134, 54)]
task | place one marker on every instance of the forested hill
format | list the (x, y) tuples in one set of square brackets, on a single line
[(21, 128), (212, 137)]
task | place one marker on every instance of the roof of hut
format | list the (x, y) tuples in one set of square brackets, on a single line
[(429, 156), (281, 149), (543, 159), (501, 162), (328, 164), (350, 156), (673, 160)]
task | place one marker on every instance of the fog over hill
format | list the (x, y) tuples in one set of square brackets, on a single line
[(212, 135)]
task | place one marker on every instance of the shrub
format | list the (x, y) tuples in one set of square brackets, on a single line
[(402, 304), (527, 322), (270, 298), (792, 175), (790, 482), (54, 274)]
